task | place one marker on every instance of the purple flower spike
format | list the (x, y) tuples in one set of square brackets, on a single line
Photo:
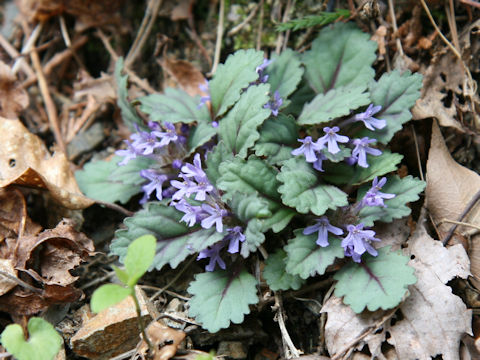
[(235, 237), (185, 188), (260, 69), (146, 142), (331, 139), (213, 252), (308, 149), (362, 149), (275, 104), (156, 182), (128, 154), (358, 241), (192, 213), (374, 197), (367, 118), (323, 227), (169, 135), (216, 215)]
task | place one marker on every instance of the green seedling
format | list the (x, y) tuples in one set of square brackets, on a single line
[(138, 260), (43, 343)]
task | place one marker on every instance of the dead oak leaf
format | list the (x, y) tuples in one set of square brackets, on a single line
[(24, 160), (185, 74)]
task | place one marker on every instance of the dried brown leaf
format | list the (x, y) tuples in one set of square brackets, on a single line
[(6, 284), (185, 74), (13, 99), (161, 335), (450, 186), (24, 160)]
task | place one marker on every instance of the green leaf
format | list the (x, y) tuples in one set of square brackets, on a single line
[(175, 240), (278, 137), (248, 176), (129, 115), (335, 103), (276, 276), (305, 258), (233, 76), (200, 135), (249, 206), (238, 129), (220, 298), (140, 254), (302, 95), (377, 283), (121, 274), (254, 237), (279, 220), (406, 190), (109, 182), (302, 189), (321, 19), (396, 93), (43, 343), (218, 155), (355, 175), (284, 73), (108, 295), (174, 105), (341, 55)]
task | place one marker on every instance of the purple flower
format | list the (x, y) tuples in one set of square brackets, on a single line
[(169, 135), (145, 142), (192, 213), (331, 138), (367, 118), (374, 197), (216, 215), (177, 164), (213, 252), (204, 88), (201, 186), (185, 188), (308, 149), (129, 153), (359, 153), (155, 184), (275, 104), (358, 241), (194, 170), (235, 237), (260, 69), (317, 165), (323, 227)]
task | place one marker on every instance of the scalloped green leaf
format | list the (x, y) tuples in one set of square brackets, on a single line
[(378, 282), (200, 135), (305, 258), (302, 189), (108, 295), (238, 129), (406, 190), (174, 105), (129, 115), (342, 173), (341, 55), (278, 137), (106, 181), (284, 73), (175, 240), (396, 93), (335, 103), (232, 77), (249, 206), (254, 237), (43, 343), (139, 258), (276, 276), (220, 297)]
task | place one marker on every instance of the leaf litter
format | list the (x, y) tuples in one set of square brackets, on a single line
[(432, 319)]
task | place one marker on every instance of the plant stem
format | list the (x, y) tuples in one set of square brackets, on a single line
[(140, 321)]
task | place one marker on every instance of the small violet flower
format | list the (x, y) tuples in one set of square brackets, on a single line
[(308, 149), (234, 237), (169, 135), (192, 213), (128, 154), (317, 165), (215, 217), (275, 104), (188, 187), (260, 69), (155, 184), (358, 242), (331, 138), (374, 197), (361, 149), (367, 118), (205, 89), (323, 227), (213, 252), (146, 142)]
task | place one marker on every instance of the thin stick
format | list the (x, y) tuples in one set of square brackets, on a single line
[(260, 27), (469, 207), (218, 43), (292, 350), (13, 53), (417, 151), (395, 28), (471, 2), (27, 47), (459, 223), (21, 282), (240, 26), (115, 207), (452, 23)]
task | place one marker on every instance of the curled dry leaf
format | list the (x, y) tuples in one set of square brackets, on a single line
[(433, 318), (13, 99), (187, 76), (450, 186), (24, 160), (6, 284), (164, 339)]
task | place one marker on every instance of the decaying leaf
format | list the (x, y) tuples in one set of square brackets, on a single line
[(450, 186), (24, 160), (13, 98), (187, 76), (430, 322), (6, 284), (164, 339)]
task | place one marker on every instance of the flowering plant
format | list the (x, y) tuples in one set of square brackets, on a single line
[(287, 156)]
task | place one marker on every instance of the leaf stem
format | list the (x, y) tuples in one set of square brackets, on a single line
[(141, 325)]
